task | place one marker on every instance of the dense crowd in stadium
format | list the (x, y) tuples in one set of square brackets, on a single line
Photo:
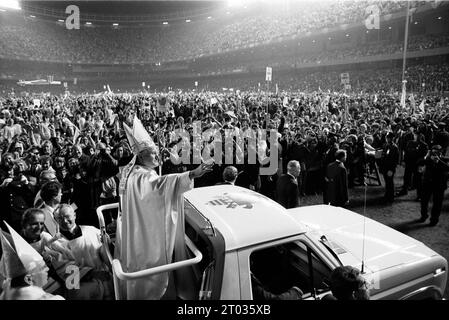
[(28, 39), (68, 150), (76, 136)]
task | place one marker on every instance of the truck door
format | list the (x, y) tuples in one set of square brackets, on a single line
[(275, 270)]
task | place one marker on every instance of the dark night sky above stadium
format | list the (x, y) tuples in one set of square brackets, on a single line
[(124, 7)]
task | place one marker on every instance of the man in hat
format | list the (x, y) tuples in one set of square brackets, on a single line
[(150, 226), (436, 169), (23, 268)]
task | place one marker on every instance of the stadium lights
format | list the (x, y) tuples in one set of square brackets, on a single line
[(60, 20), (188, 20), (10, 4), (88, 23), (165, 22), (115, 24)]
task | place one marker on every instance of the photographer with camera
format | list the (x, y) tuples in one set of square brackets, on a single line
[(434, 183)]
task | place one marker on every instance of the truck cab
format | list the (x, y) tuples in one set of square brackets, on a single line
[(242, 236)]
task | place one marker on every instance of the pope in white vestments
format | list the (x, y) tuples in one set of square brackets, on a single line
[(151, 222)]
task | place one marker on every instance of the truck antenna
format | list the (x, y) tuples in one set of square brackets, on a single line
[(364, 225)]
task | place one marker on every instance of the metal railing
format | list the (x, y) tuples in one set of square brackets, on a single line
[(117, 269)]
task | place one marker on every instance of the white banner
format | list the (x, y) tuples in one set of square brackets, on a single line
[(268, 74), (344, 78), (36, 102)]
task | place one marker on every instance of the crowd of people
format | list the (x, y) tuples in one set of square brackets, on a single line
[(422, 78), (349, 54), (28, 38), (60, 157)]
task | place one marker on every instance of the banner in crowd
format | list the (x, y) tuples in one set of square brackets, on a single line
[(36, 102), (268, 74), (403, 94), (162, 104), (412, 102), (344, 78), (421, 106)]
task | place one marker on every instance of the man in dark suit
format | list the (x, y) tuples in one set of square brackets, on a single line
[(287, 192), (389, 161), (436, 172), (336, 190), (230, 174)]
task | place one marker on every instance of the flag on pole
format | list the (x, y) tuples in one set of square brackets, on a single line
[(76, 132), (403, 94)]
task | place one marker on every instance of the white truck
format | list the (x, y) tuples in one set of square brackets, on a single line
[(234, 232)]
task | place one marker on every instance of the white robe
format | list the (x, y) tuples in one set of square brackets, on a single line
[(28, 293), (86, 249), (148, 227), (87, 254)]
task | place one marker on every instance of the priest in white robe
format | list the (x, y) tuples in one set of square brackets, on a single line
[(150, 226)]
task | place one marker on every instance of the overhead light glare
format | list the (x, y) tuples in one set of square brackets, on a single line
[(10, 4)]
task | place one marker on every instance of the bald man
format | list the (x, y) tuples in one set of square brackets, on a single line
[(230, 174)]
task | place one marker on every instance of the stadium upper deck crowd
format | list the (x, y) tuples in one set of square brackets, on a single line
[(29, 39)]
